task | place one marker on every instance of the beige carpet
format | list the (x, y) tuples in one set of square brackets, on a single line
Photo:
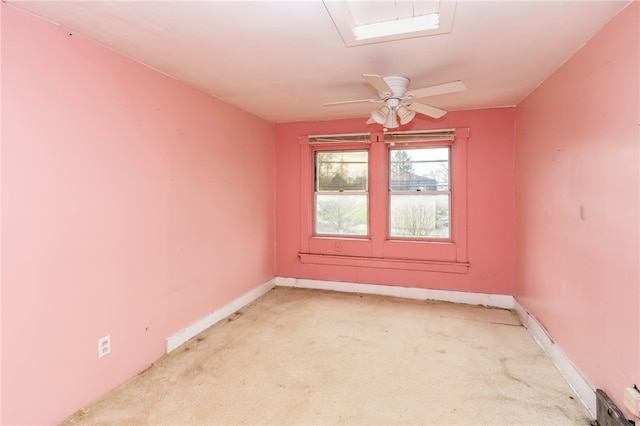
[(299, 357)]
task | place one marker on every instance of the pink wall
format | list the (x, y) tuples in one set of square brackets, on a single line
[(1, 314), (490, 206), (131, 205), (577, 206)]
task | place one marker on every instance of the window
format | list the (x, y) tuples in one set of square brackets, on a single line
[(419, 193), (341, 192), (385, 200)]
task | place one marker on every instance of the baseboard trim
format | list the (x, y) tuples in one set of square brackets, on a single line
[(493, 300), (581, 386), (199, 326)]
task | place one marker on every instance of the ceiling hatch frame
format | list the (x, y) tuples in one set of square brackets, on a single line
[(346, 23)]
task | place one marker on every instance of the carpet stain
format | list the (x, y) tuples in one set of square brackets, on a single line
[(506, 372)]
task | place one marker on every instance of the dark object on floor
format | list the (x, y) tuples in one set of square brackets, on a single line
[(607, 414)]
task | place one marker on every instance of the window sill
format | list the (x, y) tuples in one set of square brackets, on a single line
[(385, 263)]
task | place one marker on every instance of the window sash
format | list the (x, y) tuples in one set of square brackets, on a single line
[(419, 201), (341, 192), (342, 213), (425, 174), (427, 219), (350, 171)]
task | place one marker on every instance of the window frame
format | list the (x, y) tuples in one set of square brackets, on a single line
[(378, 250), (449, 191), (316, 191)]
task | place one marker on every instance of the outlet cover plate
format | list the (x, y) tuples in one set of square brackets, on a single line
[(104, 346)]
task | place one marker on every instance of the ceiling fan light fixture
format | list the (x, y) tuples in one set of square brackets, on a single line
[(380, 115), (392, 120), (405, 114)]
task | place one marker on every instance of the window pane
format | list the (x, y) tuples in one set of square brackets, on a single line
[(341, 171), (421, 216), (341, 214), (419, 169)]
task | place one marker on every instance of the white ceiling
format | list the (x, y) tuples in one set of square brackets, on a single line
[(281, 60)]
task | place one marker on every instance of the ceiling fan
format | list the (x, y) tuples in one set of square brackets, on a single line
[(400, 105)]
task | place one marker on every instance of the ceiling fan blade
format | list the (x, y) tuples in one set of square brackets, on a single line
[(378, 83), (427, 110), (438, 89), (352, 102)]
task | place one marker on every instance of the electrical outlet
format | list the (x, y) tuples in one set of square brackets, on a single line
[(104, 346), (632, 400)]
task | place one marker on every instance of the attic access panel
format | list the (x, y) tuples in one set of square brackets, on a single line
[(365, 22)]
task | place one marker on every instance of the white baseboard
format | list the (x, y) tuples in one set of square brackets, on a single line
[(585, 390), (493, 300), (199, 326)]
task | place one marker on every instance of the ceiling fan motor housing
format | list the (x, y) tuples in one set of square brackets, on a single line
[(398, 84)]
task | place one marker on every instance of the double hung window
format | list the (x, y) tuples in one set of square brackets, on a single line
[(419, 193), (391, 200), (341, 192)]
